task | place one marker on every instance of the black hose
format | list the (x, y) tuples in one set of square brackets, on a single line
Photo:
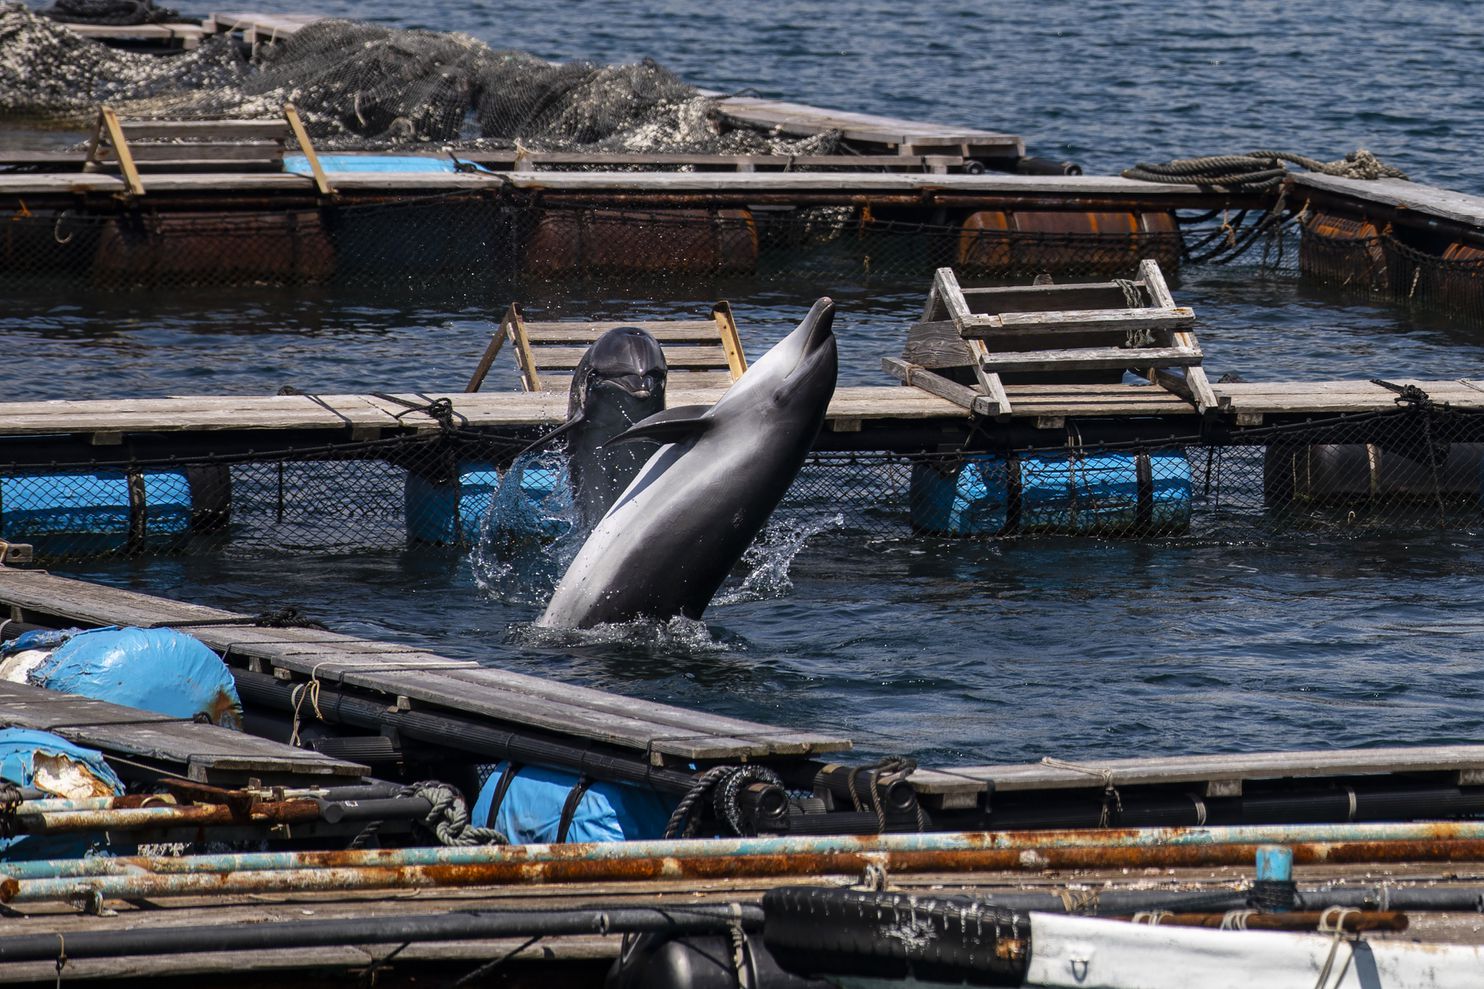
[(465, 925)]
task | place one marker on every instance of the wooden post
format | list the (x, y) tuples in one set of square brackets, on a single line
[(730, 341), (1195, 376), (516, 325), (491, 351), (301, 136), (108, 121)]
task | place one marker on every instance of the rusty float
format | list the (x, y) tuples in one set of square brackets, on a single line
[(1009, 242), (654, 242)]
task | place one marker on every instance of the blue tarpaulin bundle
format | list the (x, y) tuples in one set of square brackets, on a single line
[(53, 764), (153, 669), (530, 811)]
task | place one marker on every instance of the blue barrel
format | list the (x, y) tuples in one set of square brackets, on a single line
[(1087, 492), (110, 511), (453, 513)]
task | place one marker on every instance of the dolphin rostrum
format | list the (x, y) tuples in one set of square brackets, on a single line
[(671, 538), (619, 381)]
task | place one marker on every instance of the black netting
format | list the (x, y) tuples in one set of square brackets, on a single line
[(1418, 467), (364, 85), (505, 238), (1356, 254)]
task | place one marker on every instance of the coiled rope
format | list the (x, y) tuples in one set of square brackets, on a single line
[(727, 783), (449, 817), (1258, 171)]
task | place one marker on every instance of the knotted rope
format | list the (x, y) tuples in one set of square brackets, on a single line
[(448, 818)]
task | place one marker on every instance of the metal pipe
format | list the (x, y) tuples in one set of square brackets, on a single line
[(768, 857), (466, 925), (1310, 921), (136, 818), (127, 801)]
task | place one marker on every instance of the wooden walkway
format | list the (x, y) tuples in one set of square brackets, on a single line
[(408, 676), (1399, 195), (172, 746), (1217, 775), (368, 416)]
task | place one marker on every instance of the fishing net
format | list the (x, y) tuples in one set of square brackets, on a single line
[(459, 490), (368, 86)]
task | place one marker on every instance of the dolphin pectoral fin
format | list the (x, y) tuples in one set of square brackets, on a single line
[(546, 440), (670, 426)]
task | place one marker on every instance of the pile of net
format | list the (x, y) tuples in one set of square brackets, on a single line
[(368, 86)]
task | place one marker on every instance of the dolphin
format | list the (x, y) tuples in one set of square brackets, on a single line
[(619, 381), (667, 544)]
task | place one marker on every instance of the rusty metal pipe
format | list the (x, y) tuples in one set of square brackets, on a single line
[(1350, 922), (137, 818), (771, 857)]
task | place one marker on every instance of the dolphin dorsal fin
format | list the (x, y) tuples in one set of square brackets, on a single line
[(670, 426)]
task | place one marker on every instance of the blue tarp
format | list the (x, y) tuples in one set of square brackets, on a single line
[(532, 809), (154, 669), (299, 165), (539, 504), (18, 750)]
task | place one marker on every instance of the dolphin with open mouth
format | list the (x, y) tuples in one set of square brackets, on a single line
[(668, 543)]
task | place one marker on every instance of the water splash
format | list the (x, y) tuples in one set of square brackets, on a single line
[(772, 554), (679, 636), (530, 533)]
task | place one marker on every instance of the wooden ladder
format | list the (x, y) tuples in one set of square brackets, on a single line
[(132, 146), (699, 353), (1079, 332)]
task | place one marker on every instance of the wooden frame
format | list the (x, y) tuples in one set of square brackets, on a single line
[(226, 142), (687, 345), (1171, 342)]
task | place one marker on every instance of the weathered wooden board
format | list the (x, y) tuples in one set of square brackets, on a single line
[(1094, 773), (1283, 397), (800, 119), (1447, 204), (1091, 358), (197, 751), (399, 671)]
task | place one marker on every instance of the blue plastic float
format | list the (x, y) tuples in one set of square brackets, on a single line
[(98, 512), (1086, 493), (454, 512)]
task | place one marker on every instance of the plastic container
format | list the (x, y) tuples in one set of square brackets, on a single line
[(1086, 493), (102, 512)]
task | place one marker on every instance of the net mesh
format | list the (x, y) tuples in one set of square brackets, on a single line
[(368, 86), (1419, 466)]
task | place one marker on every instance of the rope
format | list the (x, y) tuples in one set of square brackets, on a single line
[(310, 689), (10, 800), (888, 770), (1110, 792), (1151, 917), (1236, 920), (1258, 171), (448, 818), (726, 784), (1336, 927), (440, 410)]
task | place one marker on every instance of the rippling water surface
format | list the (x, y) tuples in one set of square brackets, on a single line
[(951, 652)]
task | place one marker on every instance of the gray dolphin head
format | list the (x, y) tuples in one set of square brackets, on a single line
[(624, 371)]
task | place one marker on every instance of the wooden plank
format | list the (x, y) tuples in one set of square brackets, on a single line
[(1245, 766), (301, 138), (677, 330), (948, 294), (1076, 321), (936, 344), (989, 380), (798, 118), (1447, 204), (120, 148), (1195, 384), (934, 384), (227, 130), (676, 357), (1089, 359), (731, 341), (459, 685), (1038, 298), (199, 751)]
